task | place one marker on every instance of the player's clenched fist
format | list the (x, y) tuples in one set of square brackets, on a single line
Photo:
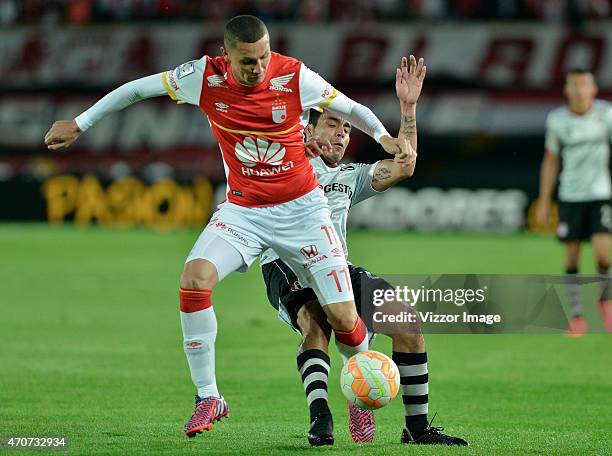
[(406, 160), (62, 134), (394, 145)]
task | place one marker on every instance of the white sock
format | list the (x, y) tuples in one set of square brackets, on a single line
[(346, 351), (199, 334)]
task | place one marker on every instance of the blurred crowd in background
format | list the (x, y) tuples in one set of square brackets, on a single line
[(495, 69), (54, 12)]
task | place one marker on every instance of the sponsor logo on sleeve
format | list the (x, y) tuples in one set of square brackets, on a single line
[(186, 69), (172, 81)]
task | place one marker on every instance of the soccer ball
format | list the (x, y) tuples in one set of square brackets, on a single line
[(369, 380)]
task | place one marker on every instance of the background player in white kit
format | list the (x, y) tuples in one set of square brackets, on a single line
[(254, 100), (345, 186), (578, 136)]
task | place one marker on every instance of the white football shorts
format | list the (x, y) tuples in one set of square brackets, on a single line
[(300, 232)]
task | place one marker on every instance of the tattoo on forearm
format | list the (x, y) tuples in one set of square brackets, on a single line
[(408, 126), (408, 129), (382, 173)]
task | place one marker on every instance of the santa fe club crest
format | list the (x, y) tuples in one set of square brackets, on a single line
[(279, 110)]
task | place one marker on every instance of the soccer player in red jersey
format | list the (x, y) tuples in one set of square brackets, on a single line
[(256, 102)]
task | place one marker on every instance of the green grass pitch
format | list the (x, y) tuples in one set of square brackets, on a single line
[(90, 348)]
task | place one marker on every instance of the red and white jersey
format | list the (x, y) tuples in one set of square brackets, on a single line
[(259, 129)]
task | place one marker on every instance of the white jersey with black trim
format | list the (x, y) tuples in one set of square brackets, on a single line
[(344, 186), (583, 142)]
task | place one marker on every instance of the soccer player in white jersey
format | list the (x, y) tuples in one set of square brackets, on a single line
[(578, 137), (346, 185), (254, 100)]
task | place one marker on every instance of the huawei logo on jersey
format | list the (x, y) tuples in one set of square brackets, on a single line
[(280, 82), (216, 80), (251, 153), (260, 152)]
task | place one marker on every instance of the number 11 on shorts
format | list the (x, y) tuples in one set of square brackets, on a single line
[(344, 271), (330, 233)]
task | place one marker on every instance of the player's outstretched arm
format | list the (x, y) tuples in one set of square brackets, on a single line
[(408, 84), (316, 93), (64, 132), (548, 179)]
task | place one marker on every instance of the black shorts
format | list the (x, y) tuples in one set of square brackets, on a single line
[(287, 296), (579, 221)]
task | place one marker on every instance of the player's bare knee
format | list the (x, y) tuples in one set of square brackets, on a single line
[(342, 315), (313, 322), (199, 275)]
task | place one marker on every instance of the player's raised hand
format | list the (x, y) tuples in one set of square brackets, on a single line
[(394, 145), (315, 147), (62, 134), (409, 79)]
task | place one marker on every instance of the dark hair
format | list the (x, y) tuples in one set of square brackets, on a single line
[(577, 70), (243, 29), (314, 116)]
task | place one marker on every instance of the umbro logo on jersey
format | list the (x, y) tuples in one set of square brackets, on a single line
[(280, 82), (337, 252), (221, 107), (216, 80)]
